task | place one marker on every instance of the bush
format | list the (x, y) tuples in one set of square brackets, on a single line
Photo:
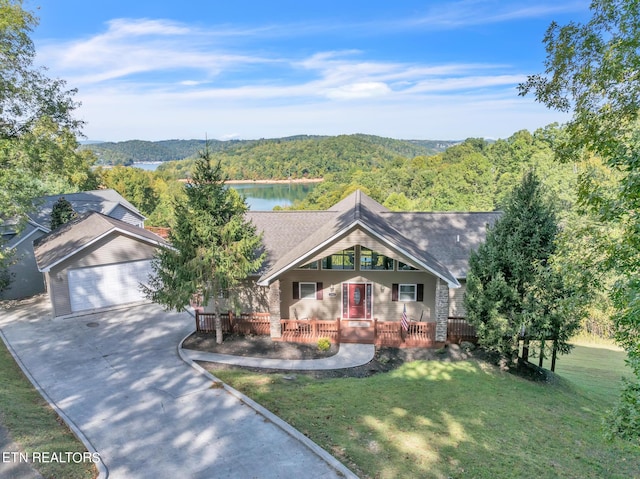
[(324, 344), (624, 420)]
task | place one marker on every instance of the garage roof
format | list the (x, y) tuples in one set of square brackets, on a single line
[(80, 233)]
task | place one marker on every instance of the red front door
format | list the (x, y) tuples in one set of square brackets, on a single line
[(357, 297)]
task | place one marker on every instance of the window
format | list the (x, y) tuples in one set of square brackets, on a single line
[(312, 265), (307, 290), (340, 260), (370, 260), (407, 292), (405, 267)]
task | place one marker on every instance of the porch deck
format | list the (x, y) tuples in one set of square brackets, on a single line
[(380, 333)]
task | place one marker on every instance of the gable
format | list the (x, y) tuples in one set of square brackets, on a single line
[(83, 232), (436, 242), (125, 214), (354, 238), (108, 202)]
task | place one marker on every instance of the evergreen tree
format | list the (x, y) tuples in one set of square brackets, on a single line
[(508, 269), (213, 246), (61, 213)]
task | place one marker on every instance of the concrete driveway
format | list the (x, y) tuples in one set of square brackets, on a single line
[(118, 377)]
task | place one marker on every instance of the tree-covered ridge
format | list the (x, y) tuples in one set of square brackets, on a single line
[(287, 152), (129, 152), (474, 175)]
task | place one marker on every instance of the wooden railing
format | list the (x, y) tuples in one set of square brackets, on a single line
[(245, 323), (159, 230), (310, 330), (385, 333), (459, 330), (252, 323), (419, 334)]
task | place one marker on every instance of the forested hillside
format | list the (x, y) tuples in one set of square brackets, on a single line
[(129, 152), (286, 152), (474, 175)]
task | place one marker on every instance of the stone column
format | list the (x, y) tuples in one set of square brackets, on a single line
[(442, 310), (274, 309)]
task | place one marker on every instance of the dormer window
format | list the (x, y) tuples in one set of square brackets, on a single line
[(341, 260), (405, 267), (370, 260)]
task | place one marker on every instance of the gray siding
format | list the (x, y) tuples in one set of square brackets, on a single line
[(114, 248), (456, 298), (123, 214), (27, 280)]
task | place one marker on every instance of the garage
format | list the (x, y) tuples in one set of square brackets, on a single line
[(95, 262), (107, 286)]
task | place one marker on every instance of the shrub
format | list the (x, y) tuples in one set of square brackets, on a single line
[(624, 420), (324, 344)]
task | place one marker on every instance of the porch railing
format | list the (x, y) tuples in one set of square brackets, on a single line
[(418, 335), (310, 330), (245, 323), (459, 330), (386, 333)]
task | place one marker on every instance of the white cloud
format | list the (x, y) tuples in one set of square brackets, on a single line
[(359, 90), (452, 15), (158, 79)]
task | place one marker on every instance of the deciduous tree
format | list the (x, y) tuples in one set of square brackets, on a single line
[(37, 129), (592, 70)]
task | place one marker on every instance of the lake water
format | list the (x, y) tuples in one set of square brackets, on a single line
[(261, 196), (266, 196)]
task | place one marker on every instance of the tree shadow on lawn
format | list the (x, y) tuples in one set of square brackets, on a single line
[(450, 419)]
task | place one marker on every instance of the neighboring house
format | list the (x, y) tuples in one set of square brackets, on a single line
[(27, 280), (95, 262), (358, 261)]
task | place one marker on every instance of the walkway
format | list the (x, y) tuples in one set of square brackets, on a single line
[(348, 356), (117, 378)]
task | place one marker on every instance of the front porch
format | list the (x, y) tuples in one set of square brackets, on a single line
[(381, 333)]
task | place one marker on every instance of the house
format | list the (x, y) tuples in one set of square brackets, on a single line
[(27, 279), (95, 262), (359, 262)]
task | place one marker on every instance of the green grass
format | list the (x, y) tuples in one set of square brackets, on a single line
[(432, 419), (35, 426), (596, 370)]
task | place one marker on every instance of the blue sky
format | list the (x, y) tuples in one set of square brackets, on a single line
[(155, 70)]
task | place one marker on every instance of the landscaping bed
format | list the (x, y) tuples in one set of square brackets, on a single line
[(385, 359)]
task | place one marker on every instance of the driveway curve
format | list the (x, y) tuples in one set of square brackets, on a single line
[(118, 378)]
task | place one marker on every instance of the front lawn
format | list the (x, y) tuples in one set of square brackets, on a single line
[(36, 427), (433, 419)]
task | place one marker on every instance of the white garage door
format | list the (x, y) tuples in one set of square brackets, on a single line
[(108, 285)]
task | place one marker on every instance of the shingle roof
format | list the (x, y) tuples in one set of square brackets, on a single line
[(438, 242), (75, 235), (450, 237), (102, 201)]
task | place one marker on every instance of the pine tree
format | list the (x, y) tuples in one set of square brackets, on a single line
[(508, 270), (61, 213), (213, 246)]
